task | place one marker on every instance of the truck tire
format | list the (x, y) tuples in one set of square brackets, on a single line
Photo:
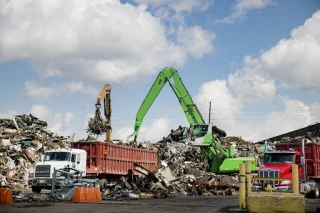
[(36, 189), (314, 193)]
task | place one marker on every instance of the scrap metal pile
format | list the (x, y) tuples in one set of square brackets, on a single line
[(23, 140), (183, 171)]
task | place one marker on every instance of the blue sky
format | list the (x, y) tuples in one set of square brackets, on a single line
[(257, 61)]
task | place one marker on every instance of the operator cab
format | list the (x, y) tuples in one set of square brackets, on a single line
[(199, 133), (199, 130)]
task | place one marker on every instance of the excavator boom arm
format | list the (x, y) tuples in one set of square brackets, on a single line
[(190, 109)]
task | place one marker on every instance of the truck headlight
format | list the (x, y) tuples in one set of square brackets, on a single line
[(286, 182)]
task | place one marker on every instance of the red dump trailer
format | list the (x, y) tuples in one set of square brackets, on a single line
[(106, 160), (311, 154)]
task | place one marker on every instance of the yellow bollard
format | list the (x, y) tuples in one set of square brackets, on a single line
[(242, 187), (295, 179), (248, 176)]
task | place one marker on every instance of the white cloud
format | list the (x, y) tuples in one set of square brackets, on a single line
[(251, 86), (122, 132), (175, 11), (57, 123), (154, 132), (291, 62), (33, 90), (68, 117), (179, 5), (190, 5), (196, 40), (78, 86), (295, 115), (40, 111), (294, 62), (8, 114), (241, 8), (231, 115), (60, 123), (99, 40), (223, 101)]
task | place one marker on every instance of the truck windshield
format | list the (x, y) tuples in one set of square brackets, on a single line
[(278, 158), (199, 131), (57, 156)]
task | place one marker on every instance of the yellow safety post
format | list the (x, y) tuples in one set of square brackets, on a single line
[(295, 179), (248, 176), (242, 187)]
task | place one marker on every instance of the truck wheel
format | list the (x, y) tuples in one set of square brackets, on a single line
[(316, 191), (36, 189)]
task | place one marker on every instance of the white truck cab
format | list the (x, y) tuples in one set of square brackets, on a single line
[(58, 159)]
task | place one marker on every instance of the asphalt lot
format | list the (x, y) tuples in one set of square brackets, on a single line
[(177, 204)]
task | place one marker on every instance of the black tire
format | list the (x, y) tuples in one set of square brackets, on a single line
[(36, 189), (314, 193)]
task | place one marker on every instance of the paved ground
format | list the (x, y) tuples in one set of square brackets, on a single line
[(178, 204)]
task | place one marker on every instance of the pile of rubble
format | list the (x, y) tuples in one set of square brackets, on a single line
[(183, 171), (23, 140), (183, 168)]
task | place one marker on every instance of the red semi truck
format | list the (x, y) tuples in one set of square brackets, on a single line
[(98, 160), (278, 163)]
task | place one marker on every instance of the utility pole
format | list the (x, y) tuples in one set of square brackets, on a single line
[(209, 112)]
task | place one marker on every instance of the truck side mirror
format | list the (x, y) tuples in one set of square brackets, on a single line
[(303, 161), (257, 161), (41, 158)]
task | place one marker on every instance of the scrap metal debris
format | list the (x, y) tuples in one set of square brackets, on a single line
[(97, 125), (183, 171), (23, 140)]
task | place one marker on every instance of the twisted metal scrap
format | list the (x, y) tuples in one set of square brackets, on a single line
[(97, 125)]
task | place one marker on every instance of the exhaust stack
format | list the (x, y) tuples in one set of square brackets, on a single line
[(303, 161)]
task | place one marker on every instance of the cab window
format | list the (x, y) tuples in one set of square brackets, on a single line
[(73, 158), (298, 159)]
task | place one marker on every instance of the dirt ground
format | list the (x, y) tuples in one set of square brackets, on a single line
[(177, 204)]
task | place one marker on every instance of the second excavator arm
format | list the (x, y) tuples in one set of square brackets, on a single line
[(98, 125), (190, 109)]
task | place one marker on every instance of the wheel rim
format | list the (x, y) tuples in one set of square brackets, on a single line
[(317, 191)]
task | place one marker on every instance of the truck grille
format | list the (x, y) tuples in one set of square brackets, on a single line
[(42, 171), (270, 174)]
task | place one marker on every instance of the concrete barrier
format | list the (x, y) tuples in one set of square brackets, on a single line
[(85, 195), (6, 196), (264, 202)]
